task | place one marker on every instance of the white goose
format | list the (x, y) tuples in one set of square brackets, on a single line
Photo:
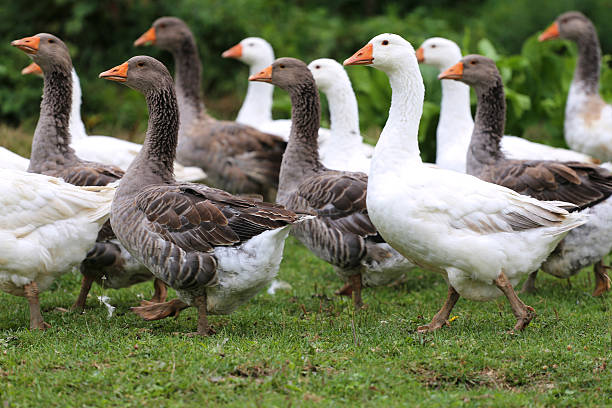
[(456, 123), (13, 161), (480, 236), (47, 226), (344, 149), (105, 149)]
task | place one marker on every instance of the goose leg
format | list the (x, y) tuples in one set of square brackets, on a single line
[(355, 281), (529, 285), (441, 318), (346, 290), (157, 311), (602, 280), (36, 319), (161, 292), (522, 312), (204, 328), (86, 283)]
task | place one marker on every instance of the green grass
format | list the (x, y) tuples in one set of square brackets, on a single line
[(299, 348)]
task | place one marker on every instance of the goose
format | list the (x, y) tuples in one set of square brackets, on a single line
[(215, 249), (236, 157), (344, 148), (342, 234), (455, 125), (53, 156), (480, 236), (256, 110), (588, 118), (10, 160), (104, 149), (587, 186), (47, 226)]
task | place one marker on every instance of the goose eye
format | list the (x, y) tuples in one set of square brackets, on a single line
[(51, 41), (282, 65), (385, 42), (317, 66), (473, 62), (140, 64), (433, 45), (251, 44)]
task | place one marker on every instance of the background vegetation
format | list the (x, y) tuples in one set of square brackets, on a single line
[(100, 35)]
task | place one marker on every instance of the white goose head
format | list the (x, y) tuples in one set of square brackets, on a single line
[(252, 51), (327, 72), (438, 52), (386, 52)]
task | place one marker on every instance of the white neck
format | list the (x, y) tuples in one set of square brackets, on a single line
[(455, 123), (76, 126), (398, 143), (257, 106), (344, 114)]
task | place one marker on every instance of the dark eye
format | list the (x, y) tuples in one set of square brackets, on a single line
[(282, 65), (433, 45), (565, 20), (385, 42), (473, 62), (251, 44), (317, 66), (140, 64), (51, 41)]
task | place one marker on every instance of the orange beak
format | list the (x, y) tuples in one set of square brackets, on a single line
[(263, 76), (454, 72), (234, 52), (118, 74), (551, 32), (147, 37), (361, 57), (33, 68), (420, 55), (29, 45)]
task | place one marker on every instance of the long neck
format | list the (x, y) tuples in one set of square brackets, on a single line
[(301, 157), (76, 125), (50, 146), (586, 74), (154, 164), (454, 113), (257, 105), (488, 127), (343, 111), (398, 143), (188, 83)]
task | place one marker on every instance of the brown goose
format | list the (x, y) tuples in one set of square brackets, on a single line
[(236, 157), (588, 186), (217, 250), (342, 234), (53, 156)]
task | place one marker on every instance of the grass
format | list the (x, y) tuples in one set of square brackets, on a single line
[(306, 347)]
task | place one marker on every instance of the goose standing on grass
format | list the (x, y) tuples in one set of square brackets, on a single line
[(217, 250), (256, 109), (52, 155), (104, 149), (46, 227), (587, 186), (455, 125), (236, 157), (344, 148), (588, 118), (342, 234), (480, 236)]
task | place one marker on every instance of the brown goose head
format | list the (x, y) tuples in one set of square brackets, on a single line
[(286, 73), (167, 33), (572, 25), (142, 73), (46, 50), (474, 70)]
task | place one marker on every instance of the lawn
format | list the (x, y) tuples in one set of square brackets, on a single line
[(305, 346)]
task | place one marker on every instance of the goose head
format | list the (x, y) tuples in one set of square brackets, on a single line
[(327, 72), (474, 70), (386, 52), (572, 25), (438, 52), (286, 73), (251, 51), (167, 33), (142, 73), (46, 50)]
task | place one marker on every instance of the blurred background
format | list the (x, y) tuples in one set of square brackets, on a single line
[(100, 35)]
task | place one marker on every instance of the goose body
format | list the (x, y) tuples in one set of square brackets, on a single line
[(587, 186), (480, 236), (47, 226), (13, 161), (235, 157), (588, 118), (456, 124), (215, 249)]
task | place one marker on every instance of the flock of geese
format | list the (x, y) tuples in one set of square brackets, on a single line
[(493, 209)]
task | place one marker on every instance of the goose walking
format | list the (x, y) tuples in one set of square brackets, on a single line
[(215, 249), (480, 236)]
